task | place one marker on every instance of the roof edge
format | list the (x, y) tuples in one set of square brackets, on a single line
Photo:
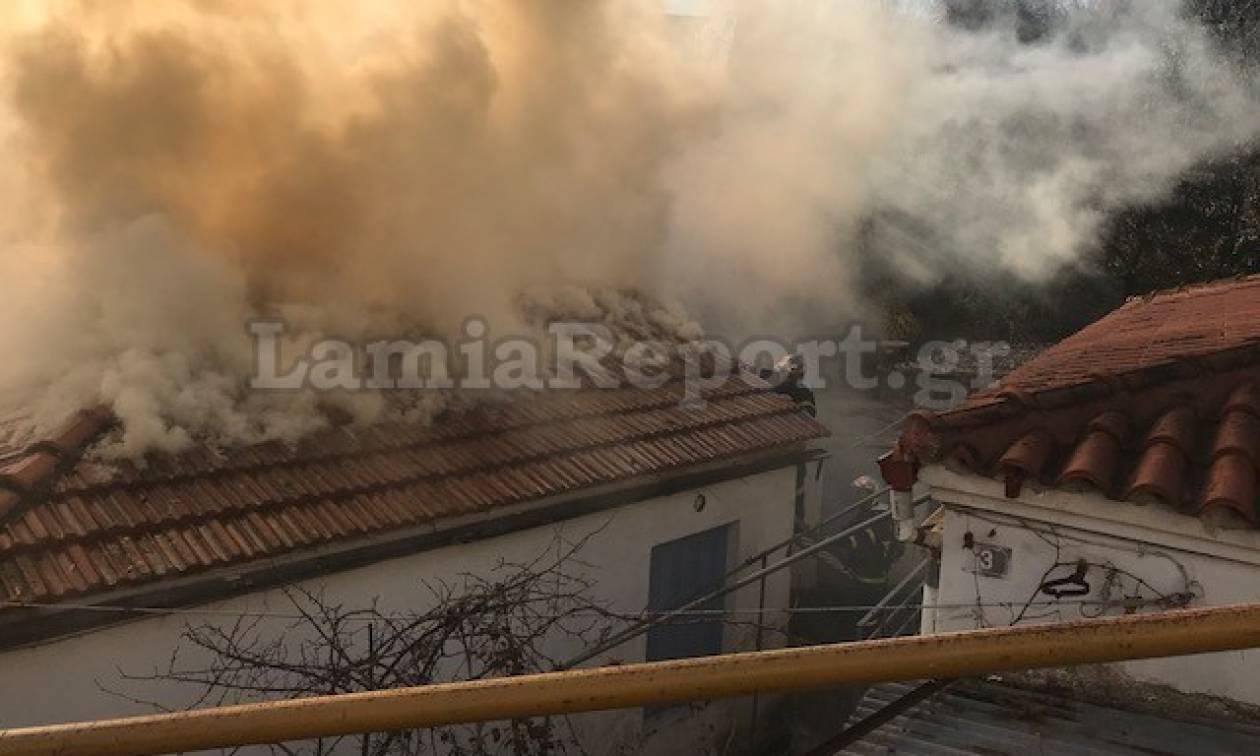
[(1192, 287)]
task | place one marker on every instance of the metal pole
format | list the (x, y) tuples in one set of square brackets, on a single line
[(963, 654), (371, 673), (829, 519), (880, 718), (869, 619), (642, 626), (761, 623)]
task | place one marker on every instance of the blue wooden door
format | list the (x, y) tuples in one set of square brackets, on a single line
[(682, 571)]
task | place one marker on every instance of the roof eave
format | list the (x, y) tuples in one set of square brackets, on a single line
[(1093, 512)]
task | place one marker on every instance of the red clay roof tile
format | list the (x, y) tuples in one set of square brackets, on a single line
[(1238, 433), (1245, 398), (1029, 452), (9, 501), (1231, 484), (1160, 475), (83, 567), (1175, 427), (1025, 458), (1094, 461), (1158, 329), (29, 471), (30, 573)]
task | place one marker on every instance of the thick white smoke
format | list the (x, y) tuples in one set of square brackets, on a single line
[(387, 167)]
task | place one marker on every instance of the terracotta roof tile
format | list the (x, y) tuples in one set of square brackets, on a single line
[(1238, 433), (170, 552), (28, 471), (1160, 329), (1158, 401), (1026, 458), (1160, 475), (1231, 484), (85, 574), (67, 529), (34, 583), (1094, 461)]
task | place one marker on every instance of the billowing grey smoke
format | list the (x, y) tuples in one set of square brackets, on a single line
[(982, 136), (1013, 151)]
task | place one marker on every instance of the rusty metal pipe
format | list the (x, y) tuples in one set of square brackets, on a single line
[(959, 654)]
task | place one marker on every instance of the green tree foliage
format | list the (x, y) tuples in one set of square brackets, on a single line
[(1031, 20), (1208, 229), (1210, 226), (1234, 23)]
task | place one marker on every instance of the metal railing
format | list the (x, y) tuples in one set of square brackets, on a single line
[(899, 612)]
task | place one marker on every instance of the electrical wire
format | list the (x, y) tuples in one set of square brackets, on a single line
[(1112, 573), (648, 619), (829, 609), (643, 626), (641, 622)]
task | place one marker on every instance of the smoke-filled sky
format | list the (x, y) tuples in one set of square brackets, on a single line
[(173, 169)]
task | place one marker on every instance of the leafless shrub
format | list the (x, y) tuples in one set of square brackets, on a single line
[(507, 623)]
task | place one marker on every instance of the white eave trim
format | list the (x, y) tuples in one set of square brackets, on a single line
[(1095, 513)]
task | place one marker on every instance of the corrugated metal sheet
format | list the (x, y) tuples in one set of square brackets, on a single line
[(974, 717), (74, 532)]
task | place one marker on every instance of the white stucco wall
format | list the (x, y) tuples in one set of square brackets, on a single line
[(58, 681), (1154, 552)]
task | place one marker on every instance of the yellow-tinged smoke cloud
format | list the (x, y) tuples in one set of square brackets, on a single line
[(426, 161), (180, 167)]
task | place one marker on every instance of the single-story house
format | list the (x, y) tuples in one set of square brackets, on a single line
[(102, 566)]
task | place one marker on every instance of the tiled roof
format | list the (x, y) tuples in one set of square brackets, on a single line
[(68, 528), (1158, 401), (1161, 329)]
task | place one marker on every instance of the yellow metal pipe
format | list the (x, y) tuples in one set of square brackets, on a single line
[(960, 654)]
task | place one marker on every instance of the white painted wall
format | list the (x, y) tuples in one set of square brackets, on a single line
[(1167, 551), (58, 681)]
